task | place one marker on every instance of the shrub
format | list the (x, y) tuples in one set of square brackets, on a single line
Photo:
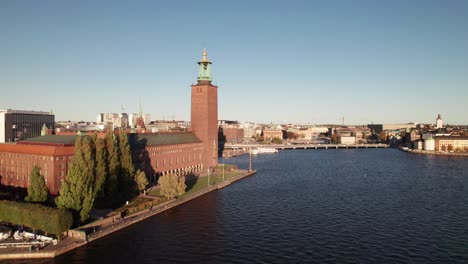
[(36, 216)]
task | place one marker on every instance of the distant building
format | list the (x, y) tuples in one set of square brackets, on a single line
[(439, 122), (269, 134), (451, 143), (231, 134), (348, 140), (429, 144), (377, 128), (17, 125), (116, 120)]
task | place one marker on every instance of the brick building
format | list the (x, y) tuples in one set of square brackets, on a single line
[(231, 134), (155, 153), (204, 112)]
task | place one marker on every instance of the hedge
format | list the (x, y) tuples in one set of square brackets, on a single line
[(36, 216)]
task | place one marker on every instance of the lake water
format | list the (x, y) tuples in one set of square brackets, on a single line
[(310, 206)]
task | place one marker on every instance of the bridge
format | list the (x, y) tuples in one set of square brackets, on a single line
[(305, 146)]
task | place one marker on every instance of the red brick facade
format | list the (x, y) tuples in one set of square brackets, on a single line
[(204, 120), (17, 161)]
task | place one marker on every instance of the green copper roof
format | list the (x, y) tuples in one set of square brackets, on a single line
[(141, 140), (162, 139), (52, 139)]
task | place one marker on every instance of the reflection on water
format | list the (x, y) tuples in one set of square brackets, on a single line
[(338, 206)]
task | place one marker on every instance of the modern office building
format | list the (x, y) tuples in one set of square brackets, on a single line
[(17, 125)]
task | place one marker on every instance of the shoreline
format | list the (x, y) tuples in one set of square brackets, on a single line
[(78, 237), (439, 153)]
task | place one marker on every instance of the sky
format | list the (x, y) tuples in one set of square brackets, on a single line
[(309, 62)]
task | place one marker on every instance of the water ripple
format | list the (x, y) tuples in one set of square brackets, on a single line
[(311, 206)]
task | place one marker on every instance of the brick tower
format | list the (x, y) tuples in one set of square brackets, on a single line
[(204, 113)]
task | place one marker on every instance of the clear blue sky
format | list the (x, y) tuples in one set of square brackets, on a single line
[(274, 61)]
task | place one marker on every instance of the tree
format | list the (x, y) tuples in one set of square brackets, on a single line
[(37, 189), (277, 140), (111, 187), (77, 191), (291, 135), (141, 180), (102, 170), (383, 136), (450, 147), (171, 185), (334, 139), (126, 184)]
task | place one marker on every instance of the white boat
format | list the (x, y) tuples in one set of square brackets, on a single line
[(263, 151)]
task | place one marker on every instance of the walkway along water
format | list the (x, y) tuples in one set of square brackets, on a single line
[(79, 237)]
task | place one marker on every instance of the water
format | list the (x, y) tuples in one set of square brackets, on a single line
[(310, 206)]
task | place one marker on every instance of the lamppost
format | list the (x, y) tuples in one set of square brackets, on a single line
[(250, 159), (208, 176), (223, 172)]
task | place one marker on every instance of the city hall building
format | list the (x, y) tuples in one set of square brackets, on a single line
[(156, 153)]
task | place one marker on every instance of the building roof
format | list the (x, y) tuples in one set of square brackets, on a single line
[(44, 150), (452, 138), (162, 139), (50, 140)]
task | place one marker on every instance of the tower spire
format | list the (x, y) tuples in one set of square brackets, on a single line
[(204, 68), (140, 112)]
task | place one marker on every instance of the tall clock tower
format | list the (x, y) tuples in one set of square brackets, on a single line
[(204, 113)]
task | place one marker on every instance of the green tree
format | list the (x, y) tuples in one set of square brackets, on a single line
[(383, 136), (334, 139), (37, 189), (102, 170), (277, 140), (77, 191), (450, 147), (141, 180), (171, 185), (111, 187), (126, 184)]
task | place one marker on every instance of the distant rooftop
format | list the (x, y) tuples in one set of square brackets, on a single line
[(153, 139), (161, 139), (64, 140), (11, 111)]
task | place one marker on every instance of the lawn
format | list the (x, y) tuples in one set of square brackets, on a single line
[(200, 183)]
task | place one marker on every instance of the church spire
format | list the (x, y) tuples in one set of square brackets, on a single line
[(204, 71)]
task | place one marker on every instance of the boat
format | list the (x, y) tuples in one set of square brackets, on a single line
[(263, 151)]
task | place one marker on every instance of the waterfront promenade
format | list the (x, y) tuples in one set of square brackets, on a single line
[(85, 234)]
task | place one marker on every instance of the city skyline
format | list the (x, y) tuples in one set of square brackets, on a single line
[(295, 62)]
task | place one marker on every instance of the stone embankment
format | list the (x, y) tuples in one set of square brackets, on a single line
[(100, 228), (440, 153)]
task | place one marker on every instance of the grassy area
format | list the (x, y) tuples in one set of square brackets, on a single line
[(133, 203), (192, 186), (200, 183)]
